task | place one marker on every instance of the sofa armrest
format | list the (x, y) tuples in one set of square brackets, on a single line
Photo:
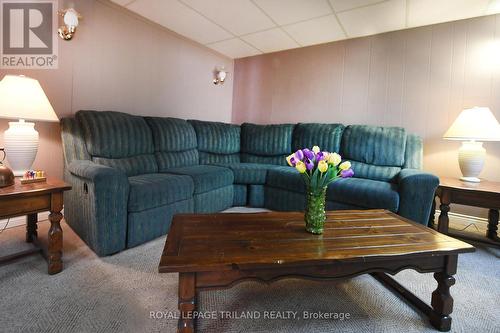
[(98, 205), (416, 193), (94, 172)]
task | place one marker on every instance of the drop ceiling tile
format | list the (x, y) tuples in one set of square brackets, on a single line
[(341, 5), (234, 48), (181, 19), (238, 16), (291, 11), (424, 12), (271, 40), (382, 17), (316, 31), (494, 7)]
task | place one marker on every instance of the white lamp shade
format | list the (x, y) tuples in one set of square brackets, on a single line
[(23, 98), (477, 123)]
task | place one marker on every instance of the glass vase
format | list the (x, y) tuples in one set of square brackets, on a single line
[(314, 215)]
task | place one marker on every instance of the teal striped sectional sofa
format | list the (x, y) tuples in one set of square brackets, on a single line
[(131, 174)]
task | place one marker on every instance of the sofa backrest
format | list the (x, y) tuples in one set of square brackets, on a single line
[(217, 142), (74, 147), (118, 140), (326, 136), (269, 144), (414, 152), (375, 152), (174, 142)]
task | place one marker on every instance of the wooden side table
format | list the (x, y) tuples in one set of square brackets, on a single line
[(485, 194), (30, 199)]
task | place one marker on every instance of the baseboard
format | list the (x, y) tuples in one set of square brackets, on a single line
[(462, 222)]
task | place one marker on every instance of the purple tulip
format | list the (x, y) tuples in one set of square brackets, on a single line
[(347, 173), (308, 153), (309, 164), (320, 156), (293, 161), (299, 155)]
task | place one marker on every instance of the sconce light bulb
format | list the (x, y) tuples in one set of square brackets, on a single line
[(71, 18)]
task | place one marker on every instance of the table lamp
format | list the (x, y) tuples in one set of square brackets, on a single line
[(23, 98), (472, 127)]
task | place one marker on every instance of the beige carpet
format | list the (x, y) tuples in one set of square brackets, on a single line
[(118, 294)]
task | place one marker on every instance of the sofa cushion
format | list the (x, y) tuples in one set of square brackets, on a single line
[(212, 158), (355, 191), (263, 141), (174, 142), (112, 134), (131, 166), (172, 134), (384, 146), (176, 159), (250, 173), (326, 136), (287, 178), (375, 172), (206, 177), (276, 160), (413, 152), (364, 193), (118, 140), (216, 137), (155, 189)]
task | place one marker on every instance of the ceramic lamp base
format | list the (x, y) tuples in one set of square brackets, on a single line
[(21, 146), (471, 157), (470, 179)]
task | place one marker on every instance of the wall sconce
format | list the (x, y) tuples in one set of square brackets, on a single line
[(71, 17), (219, 75)]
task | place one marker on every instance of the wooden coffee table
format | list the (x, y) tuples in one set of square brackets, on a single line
[(214, 251)]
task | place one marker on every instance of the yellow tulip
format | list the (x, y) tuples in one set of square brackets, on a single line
[(300, 166), (345, 165), (288, 158), (316, 149), (322, 166), (334, 159)]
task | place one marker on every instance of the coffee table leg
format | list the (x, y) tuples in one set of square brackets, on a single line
[(187, 302), (442, 302), (54, 255), (31, 226), (493, 225)]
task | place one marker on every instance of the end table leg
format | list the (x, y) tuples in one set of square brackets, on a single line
[(432, 214), (55, 239), (442, 302), (493, 225), (31, 226), (187, 302), (444, 220)]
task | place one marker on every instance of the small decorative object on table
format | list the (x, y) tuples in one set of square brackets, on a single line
[(318, 168), (33, 176)]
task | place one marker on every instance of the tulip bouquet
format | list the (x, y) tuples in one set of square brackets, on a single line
[(318, 168)]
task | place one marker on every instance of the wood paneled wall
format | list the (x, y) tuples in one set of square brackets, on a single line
[(420, 79)]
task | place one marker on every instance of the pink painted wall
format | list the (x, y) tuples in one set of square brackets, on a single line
[(120, 61), (419, 79)]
